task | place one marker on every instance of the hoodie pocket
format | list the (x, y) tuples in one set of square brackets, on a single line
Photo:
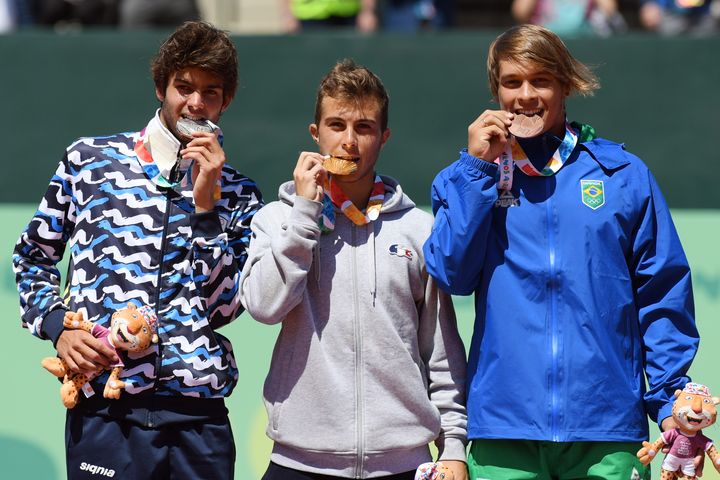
[(276, 390)]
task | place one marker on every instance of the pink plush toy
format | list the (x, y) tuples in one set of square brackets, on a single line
[(433, 471), (693, 410)]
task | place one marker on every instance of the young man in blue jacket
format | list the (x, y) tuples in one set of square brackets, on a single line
[(582, 289), (154, 218)]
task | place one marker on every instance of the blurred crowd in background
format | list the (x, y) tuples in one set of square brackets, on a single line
[(566, 17)]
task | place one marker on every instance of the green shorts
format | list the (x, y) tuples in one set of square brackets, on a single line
[(539, 460)]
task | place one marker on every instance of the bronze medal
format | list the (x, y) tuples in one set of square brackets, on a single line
[(524, 126)]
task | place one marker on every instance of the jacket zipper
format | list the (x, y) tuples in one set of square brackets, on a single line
[(555, 337), (163, 243), (360, 438)]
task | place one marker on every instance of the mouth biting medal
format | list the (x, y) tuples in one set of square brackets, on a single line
[(340, 164), (186, 127), (524, 126)]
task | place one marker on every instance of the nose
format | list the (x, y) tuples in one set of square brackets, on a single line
[(195, 100), (527, 91), (697, 405), (350, 143)]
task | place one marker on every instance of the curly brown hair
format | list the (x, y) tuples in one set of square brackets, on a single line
[(540, 46), (351, 82), (197, 44)]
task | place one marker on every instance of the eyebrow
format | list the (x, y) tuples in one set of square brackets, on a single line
[(190, 84), (366, 120)]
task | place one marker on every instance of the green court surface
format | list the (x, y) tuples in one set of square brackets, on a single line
[(32, 418)]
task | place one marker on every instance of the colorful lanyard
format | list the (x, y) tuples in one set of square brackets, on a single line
[(514, 155), (158, 149), (335, 197)]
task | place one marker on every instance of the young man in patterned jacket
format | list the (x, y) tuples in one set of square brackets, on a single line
[(154, 218)]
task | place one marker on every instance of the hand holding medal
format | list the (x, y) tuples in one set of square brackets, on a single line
[(488, 134), (208, 157)]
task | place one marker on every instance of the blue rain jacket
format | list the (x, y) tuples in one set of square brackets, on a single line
[(582, 294)]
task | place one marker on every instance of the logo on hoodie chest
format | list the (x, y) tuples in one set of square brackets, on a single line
[(401, 251)]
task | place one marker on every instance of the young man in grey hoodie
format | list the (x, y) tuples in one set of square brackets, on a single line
[(368, 368)]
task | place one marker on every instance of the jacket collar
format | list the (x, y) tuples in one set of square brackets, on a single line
[(610, 155)]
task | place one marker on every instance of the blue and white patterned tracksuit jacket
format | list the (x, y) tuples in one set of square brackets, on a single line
[(132, 241)]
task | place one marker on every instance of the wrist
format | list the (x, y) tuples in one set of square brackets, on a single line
[(52, 325)]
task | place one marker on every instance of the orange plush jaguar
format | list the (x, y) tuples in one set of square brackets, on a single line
[(132, 329)]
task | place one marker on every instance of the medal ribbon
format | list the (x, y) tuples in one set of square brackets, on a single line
[(334, 196), (158, 150), (514, 155)]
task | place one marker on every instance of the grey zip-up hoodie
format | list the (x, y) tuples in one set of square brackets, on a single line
[(368, 368)]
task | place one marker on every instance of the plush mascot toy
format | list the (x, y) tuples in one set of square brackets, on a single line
[(132, 329), (693, 410), (433, 471)]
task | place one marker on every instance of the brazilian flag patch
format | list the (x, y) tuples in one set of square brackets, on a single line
[(593, 193)]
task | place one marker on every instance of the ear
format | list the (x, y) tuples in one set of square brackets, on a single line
[(313, 129), (385, 136), (677, 393), (226, 103), (159, 94), (154, 338), (131, 306), (716, 400)]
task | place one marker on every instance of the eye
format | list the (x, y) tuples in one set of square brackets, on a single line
[(144, 329), (706, 400), (541, 81), (688, 397)]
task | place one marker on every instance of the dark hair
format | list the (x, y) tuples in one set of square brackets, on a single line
[(538, 45), (197, 44), (355, 83)]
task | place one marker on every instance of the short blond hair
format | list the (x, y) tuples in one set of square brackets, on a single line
[(540, 46)]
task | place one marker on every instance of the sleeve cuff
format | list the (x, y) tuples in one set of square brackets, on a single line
[(306, 211), (488, 168), (205, 224), (52, 325), (454, 449)]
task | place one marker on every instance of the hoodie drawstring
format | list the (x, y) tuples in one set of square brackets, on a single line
[(373, 266), (317, 263)]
